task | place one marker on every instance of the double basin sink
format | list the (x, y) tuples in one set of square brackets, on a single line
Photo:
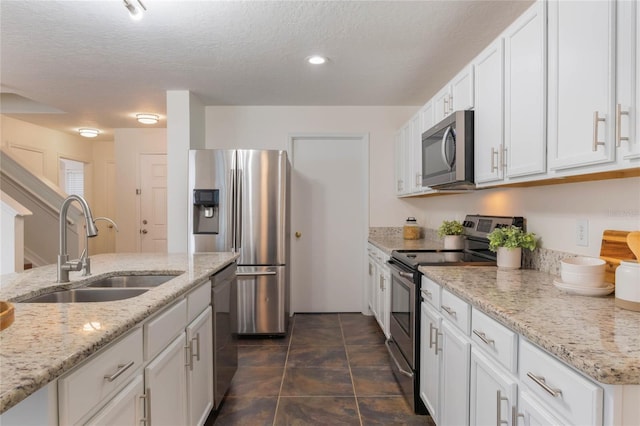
[(107, 289)]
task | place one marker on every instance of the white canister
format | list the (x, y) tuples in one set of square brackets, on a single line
[(628, 285)]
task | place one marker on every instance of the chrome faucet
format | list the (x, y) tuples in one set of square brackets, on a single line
[(64, 264), (84, 257)]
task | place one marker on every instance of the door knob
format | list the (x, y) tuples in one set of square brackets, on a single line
[(144, 221), (143, 231), (298, 234)]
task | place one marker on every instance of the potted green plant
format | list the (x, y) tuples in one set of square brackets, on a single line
[(508, 242), (451, 231)]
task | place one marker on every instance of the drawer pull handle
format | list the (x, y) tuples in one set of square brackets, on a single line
[(543, 384), (146, 400), (427, 294), (448, 310), (482, 336), (197, 354), (121, 369)]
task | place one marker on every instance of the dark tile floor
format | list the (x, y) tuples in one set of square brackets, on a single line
[(331, 369)]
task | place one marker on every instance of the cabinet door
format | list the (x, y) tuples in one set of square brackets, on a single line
[(628, 93), (493, 392), (372, 282), (462, 88), (581, 83), (399, 163), (166, 384), (386, 302), (532, 413), (441, 102), (380, 298), (454, 384), (414, 157), (525, 135), (200, 367), (126, 408), (488, 114), (430, 358)]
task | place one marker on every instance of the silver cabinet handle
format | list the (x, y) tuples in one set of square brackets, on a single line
[(515, 415), (431, 328), (619, 114), (406, 275), (596, 121), (437, 349), (418, 179), (499, 399), (188, 355), (494, 153), (482, 336), (448, 310), (381, 282), (501, 157), (427, 294), (146, 399), (197, 355), (121, 369), (445, 105), (540, 381)]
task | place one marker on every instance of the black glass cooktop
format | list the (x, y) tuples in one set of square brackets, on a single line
[(415, 258)]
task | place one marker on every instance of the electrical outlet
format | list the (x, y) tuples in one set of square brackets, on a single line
[(582, 232)]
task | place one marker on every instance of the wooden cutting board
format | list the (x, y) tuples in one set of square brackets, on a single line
[(614, 248)]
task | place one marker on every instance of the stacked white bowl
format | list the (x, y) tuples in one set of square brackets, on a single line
[(583, 271)]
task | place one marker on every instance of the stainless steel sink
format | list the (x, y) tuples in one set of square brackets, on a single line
[(82, 295), (129, 281)]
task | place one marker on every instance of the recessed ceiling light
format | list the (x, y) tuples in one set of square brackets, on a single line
[(147, 118), (136, 9), (316, 60), (89, 133)]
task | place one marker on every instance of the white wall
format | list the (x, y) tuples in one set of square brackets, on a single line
[(129, 144), (268, 127), (551, 211)]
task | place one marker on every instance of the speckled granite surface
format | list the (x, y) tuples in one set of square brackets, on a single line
[(589, 333), (48, 339), (388, 243)]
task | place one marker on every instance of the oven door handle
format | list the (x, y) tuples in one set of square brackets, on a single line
[(402, 371), (408, 275)]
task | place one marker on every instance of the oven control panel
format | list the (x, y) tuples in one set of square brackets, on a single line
[(480, 226)]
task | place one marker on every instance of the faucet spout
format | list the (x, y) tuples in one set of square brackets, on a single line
[(64, 265)]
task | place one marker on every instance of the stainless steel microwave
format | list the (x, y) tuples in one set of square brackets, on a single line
[(447, 153)]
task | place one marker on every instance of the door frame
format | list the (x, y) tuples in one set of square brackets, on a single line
[(365, 178)]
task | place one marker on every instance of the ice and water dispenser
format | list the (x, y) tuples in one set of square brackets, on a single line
[(206, 218)]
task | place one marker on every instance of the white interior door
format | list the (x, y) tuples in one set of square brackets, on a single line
[(329, 222), (153, 203)]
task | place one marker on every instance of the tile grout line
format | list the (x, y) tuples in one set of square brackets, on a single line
[(284, 369), (353, 384)]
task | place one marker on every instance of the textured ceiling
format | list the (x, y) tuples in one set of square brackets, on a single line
[(99, 67)]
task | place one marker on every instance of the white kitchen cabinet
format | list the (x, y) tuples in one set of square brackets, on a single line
[(372, 280), (581, 83), (456, 95), (532, 413), (488, 114), (400, 169), (200, 367), (379, 287), (414, 151), (430, 359), (166, 379), (454, 389), (126, 408), (493, 391)]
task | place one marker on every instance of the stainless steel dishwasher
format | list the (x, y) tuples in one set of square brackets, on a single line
[(224, 301)]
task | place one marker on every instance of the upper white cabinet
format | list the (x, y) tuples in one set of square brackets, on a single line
[(456, 95), (581, 83)]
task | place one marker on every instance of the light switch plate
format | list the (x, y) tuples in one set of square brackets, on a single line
[(582, 232)]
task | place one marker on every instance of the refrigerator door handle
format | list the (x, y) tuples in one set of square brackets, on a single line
[(255, 274), (232, 177), (238, 227)]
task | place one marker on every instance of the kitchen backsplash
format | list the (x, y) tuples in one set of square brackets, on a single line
[(540, 259)]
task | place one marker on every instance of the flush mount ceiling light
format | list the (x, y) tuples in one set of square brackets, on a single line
[(147, 118), (89, 133), (316, 60), (135, 8)]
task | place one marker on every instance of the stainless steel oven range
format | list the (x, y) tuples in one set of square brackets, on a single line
[(404, 343)]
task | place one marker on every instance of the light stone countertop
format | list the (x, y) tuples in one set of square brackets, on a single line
[(48, 339), (588, 333), (388, 243)]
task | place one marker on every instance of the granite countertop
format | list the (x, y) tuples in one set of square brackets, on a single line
[(588, 333), (48, 339), (388, 243)]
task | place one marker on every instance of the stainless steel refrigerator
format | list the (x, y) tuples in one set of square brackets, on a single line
[(240, 202)]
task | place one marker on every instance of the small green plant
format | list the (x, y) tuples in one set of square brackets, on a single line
[(511, 237), (450, 227)]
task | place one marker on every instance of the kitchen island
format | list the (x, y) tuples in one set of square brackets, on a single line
[(49, 339)]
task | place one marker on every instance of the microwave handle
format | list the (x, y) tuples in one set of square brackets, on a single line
[(444, 149)]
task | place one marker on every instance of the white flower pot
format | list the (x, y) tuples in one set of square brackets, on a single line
[(509, 258), (453, 242)]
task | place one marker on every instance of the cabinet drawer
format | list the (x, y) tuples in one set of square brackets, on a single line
[(430, 292), (163, 328), (570, 394), (93, 382), (198, 300), (495, 339), (456, 310)]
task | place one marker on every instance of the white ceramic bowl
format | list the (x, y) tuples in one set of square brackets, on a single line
[(584, 271)]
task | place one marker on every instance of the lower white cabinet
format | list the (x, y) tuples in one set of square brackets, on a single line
[(379, 280), (166, 385), (430, 359), (493, 392), (533, 413), (454, 387), (200, 367), (126, 408)]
